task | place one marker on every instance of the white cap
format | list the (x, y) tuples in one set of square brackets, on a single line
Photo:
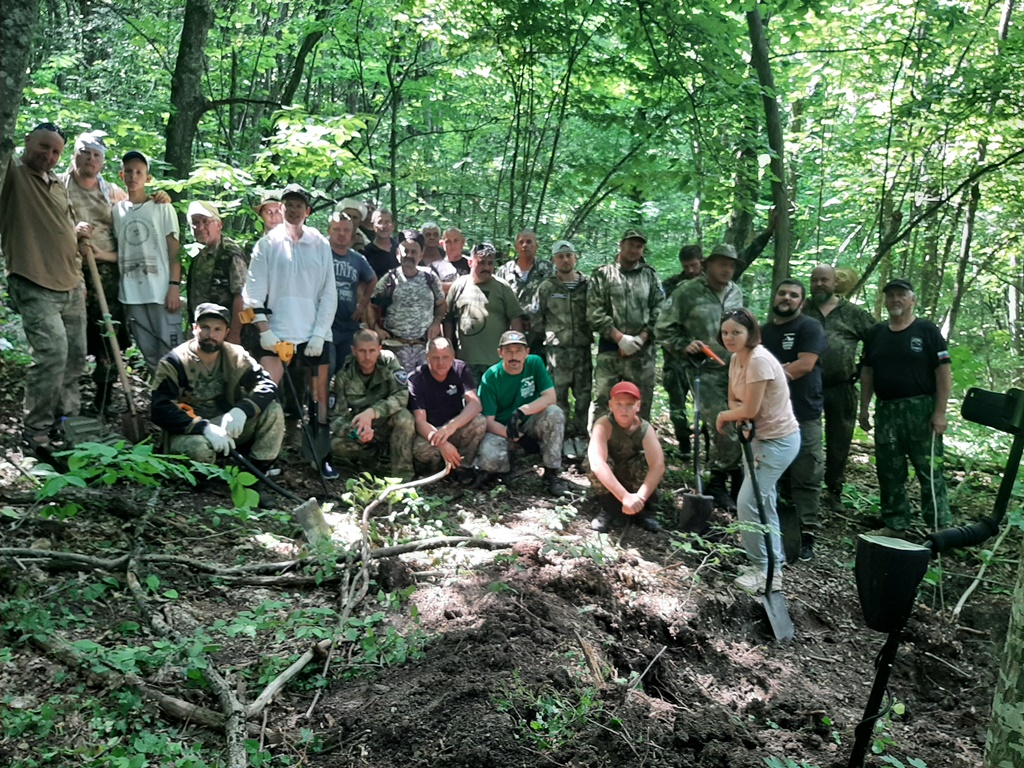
[(562, 246), (198, 208)]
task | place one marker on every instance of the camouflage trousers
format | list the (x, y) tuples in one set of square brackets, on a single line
[(800, 486), (714, 398), (54, 323), (466, 439), (411, 356), (840, 420), (572, 368), (677, 386), (631, 475), (612, 368), (262, 436), (903, 431), (546, 427), (397, 429)]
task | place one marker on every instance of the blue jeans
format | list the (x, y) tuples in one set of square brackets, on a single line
[(772, 458)]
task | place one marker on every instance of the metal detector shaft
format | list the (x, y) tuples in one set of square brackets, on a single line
[(864, 729)]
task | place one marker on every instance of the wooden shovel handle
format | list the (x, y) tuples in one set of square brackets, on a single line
[(111, 333)]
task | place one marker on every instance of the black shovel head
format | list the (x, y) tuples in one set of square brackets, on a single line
[(778, 615), (695, 513)]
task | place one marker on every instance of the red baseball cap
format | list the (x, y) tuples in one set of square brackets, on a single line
[(625, 388)]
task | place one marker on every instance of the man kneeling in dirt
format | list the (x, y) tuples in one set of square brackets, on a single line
[(519, 404), (444, 403), (209, 394), (626, 462), (370, 410)]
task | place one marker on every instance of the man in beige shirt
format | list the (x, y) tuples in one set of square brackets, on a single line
[(37, 234)]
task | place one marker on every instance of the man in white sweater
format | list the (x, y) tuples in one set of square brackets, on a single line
[(290, 288)]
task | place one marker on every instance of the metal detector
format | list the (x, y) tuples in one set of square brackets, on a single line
[(890, 570)]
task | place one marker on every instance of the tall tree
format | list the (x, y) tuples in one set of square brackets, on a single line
[(17, 30)]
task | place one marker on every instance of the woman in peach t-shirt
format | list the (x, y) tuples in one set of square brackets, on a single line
[(759, 392)]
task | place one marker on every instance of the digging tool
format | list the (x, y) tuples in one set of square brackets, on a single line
[(697, 507), (774, 602), (286, 351), (132, 423), (889, 571), (308, 512)]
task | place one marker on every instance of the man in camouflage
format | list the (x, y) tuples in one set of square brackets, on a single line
[(371, 397), (691, 317), (560, 322), (525, 273), (622, 307), (518, 401), (209, 395), (691, 262), (219, 269), (906, 363), (846, 326)]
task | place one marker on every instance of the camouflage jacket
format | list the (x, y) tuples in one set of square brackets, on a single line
[(845, 326), (626, 300), (386, 390), (694, 311), (559, 316), (525, 290)]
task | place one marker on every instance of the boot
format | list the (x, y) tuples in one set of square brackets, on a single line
[(716, 490), (807, 547), (735, 482), (556, 486)]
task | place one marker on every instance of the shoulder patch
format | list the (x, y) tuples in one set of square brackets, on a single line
[(401, 376)]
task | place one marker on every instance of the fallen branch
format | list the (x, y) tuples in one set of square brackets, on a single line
[(279, 682), (979, 578)]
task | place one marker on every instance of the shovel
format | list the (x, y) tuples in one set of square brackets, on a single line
[(286, 351), (132, 423), (697, 507), (774, 602), (308, 513)]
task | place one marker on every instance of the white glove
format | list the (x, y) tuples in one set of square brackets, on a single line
[(218, 438), (269, 340), (233, 422), (630, 345), (315, 346)]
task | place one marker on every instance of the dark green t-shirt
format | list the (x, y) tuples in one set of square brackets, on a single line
[(501, 392)]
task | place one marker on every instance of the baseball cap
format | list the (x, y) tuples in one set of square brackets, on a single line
[(562, 246), (209, 308), (512, 337), (724, 249), (295, 190), (633, 234), (92, 140), (625, 388), (351, 202), (199, 208), (135, 155), (267, 197), (898, 283)]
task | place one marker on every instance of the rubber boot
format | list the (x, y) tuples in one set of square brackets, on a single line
[(556, 485)]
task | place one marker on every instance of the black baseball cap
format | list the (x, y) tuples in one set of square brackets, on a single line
[(295, 190), (209, 308), (898, 283)]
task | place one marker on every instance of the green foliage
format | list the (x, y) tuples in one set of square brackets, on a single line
[(549, 718)]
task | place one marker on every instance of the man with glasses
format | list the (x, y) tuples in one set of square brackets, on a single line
[(480, 309), (218, 271), (40, 246)]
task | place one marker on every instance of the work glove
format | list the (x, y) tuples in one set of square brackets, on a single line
[(630, 345), (218, 438), (315, 346), (516, 424), (233, 422), (269, 340)]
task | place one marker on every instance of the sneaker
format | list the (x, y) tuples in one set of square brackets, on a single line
[(327, 470), (752, 579), (600, 523), (807, 548), (648, 523)]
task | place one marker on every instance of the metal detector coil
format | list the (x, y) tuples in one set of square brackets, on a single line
[(888, 573)]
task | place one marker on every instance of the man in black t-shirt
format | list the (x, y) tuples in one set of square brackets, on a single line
[(798, 342), (906, 363)]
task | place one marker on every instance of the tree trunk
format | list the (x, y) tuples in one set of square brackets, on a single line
[(773, 122), (1004, 747), (187, 100), (17, 30)]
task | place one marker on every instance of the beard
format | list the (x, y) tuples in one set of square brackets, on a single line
[(778, 312), (209, 346), (822, 296)]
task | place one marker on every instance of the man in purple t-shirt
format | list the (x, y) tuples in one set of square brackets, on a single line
[(444, 403)]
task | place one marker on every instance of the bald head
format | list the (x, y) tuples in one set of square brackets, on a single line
[(823, 283)]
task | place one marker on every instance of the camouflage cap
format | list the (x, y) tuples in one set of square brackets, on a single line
[(724, 249), (512, 337), (215, 310), (562, 246), (633, 234)]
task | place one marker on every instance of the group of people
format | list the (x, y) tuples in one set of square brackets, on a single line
[(406, 347)]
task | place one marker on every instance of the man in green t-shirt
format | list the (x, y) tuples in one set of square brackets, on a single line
[(519, 404)]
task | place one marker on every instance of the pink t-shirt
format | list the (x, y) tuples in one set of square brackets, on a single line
[(775, 418)]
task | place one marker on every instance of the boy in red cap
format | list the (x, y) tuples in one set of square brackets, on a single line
[(626, 461)]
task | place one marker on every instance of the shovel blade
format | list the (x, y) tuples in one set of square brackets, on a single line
[(133, 427), (311, 518), (695, 513), (778, 616)]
